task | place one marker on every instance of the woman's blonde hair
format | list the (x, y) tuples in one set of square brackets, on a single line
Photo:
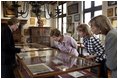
[(85, 28), (102, 22)]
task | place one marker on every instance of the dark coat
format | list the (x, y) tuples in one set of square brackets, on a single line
[(8, 49)]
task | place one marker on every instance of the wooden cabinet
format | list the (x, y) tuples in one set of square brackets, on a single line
[(40, 35)]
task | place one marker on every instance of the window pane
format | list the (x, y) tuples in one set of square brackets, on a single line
[(60, 7), (64, 25), (99, 12), (60, 24), (64, 8), (98, 3), (87, 17), (87, 4)]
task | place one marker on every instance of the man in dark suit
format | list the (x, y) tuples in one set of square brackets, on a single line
[(8, 49)]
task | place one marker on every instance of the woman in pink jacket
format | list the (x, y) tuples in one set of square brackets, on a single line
[(65, 44)]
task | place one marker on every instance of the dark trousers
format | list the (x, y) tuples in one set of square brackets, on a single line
[(7, 71), (103, 69)]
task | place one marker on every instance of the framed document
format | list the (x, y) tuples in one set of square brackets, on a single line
[(70, 27), (77, 17), (32, 21), (8, 10), (72, 9), (39, 68), (110, 12), (76, 74)]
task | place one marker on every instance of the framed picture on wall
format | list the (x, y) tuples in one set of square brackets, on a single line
[(69, 24), (111, 3), (8, 10), (110, 12), (70, 28), (69, 19), (72, 9), (32, 21), (77, 17)]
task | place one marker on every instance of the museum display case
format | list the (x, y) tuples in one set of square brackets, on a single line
[(51, 63)]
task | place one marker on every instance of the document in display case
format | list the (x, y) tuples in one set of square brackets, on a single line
[(76, 74), (39, 68)]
